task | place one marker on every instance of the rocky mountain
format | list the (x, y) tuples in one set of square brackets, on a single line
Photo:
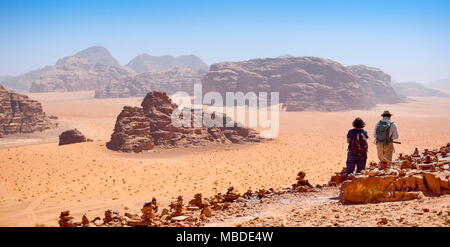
[(440, 84), (146, 63), (95, 54), (170, 81), (304, 83), (140, 129), (22, 83), (89, 69), (376, 84), (20, 114), (79, 74), (415, 89)]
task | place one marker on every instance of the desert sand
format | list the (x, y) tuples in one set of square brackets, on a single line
[(39, 179)]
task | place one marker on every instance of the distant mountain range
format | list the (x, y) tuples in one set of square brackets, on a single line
[(93, 68), (439, 84), (146, 63), (415, 89)]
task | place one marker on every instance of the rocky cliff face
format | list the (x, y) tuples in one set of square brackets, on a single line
[(169, 81), (146, 63), (376, 84), (304, 83), (20, 114), (142, 128), (415, 89)]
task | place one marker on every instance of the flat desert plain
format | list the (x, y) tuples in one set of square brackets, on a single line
[(38, 179)]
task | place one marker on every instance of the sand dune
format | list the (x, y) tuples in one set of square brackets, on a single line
[(38, 181)]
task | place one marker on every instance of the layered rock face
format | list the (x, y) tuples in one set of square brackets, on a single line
[(139, 129), (79, 74), (169, 81), (415, 89), (376, 84), (304, 83), (410, 177), (71, 137), (146, 63), (20, 114)]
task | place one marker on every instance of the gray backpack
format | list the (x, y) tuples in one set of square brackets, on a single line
[(382, 131)]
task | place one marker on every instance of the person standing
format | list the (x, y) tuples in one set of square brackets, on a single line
[(357, 147), (386, 132)]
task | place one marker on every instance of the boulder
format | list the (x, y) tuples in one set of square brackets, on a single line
[(71, 137)]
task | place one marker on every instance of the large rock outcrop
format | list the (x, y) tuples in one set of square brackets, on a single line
[(415, 89), (20, 114), (139, 129), (146, 63), (304, 83), (169, 81), (376, 84)]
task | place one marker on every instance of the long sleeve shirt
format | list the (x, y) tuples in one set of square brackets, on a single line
[(393, 131)]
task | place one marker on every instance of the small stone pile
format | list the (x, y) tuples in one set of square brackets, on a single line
[(71, 137), (409, 177), (65, 220), (302, 184), (195, 213), (140, 129)]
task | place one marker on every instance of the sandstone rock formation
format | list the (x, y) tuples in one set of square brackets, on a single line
[(170, 81), (22, 83), (146, 63), (408, 178), (139, 129), (78, 74), (20, 114), (304, 83), (415, 89), (95, 54), (86, 70), (376, 84), (71, 137)]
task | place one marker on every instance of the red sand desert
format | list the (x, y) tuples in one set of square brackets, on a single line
[(39, 179)]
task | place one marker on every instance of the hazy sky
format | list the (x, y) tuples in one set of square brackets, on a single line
[(408, 39)]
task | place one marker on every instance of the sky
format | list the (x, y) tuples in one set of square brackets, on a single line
[(408, 39)]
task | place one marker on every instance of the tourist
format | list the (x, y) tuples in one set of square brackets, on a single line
[(357, 147), (385, 133)]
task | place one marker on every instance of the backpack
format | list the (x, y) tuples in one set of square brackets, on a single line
[(359, 144), (382, 132)]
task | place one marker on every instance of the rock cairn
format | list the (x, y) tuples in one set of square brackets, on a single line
[(409, 177), (139, 129), (302, 184), (196, 212)]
